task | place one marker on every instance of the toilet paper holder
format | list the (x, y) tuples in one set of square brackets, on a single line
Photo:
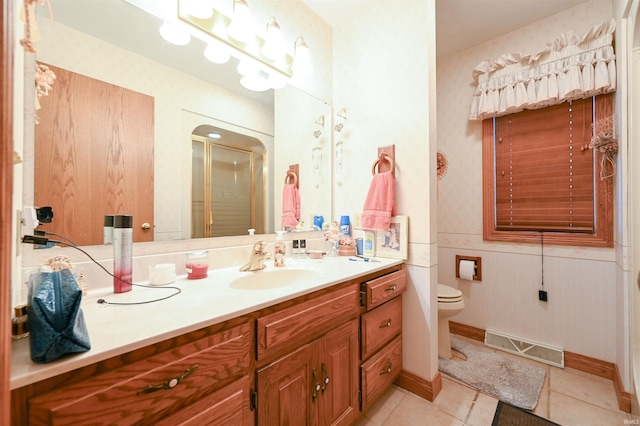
[(477, 260)]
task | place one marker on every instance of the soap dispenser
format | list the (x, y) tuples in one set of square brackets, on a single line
[(279, 249)]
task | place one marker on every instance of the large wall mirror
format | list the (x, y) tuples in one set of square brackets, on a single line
[(117, 43)]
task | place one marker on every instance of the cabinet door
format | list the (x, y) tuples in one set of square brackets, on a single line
[(286, 389), (338, 357)]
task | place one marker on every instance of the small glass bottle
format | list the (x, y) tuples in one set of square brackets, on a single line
[(19, 326)]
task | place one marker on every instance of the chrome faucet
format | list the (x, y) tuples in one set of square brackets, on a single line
[(258, 256)]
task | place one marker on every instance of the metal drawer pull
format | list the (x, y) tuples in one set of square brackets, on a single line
[(325, 381), (386, 324), (316, 385), (391, 288), (169, 383), (387, 371)]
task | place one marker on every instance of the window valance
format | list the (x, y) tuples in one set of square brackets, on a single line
[(569, 67)]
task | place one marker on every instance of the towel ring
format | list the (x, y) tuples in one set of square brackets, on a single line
[(383, 157), (290, 175)]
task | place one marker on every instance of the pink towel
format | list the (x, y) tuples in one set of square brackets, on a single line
[(290, 205), (380, 204)]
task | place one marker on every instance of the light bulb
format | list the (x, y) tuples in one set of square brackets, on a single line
[(274, 41), (217, 53), (171, 32), (197, 9), (240, 27), (248, 67), (256, 83), (301, 62), (277, 81)]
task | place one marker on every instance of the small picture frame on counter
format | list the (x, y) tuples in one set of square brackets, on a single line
[(393, 242)]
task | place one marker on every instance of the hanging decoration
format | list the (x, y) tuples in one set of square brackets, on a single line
[(441, 164), (605, 143), (31, 33), (44, 81)]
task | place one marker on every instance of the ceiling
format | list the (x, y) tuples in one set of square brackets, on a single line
[(460, 24)]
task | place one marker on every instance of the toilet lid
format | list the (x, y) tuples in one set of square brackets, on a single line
[(448, 294)]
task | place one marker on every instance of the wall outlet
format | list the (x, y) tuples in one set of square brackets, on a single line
[(357, 221), (542, 295)]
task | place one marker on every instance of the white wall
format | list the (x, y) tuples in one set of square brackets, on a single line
[(384, 76), (582, 314)]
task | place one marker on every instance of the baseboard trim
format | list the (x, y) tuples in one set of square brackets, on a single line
[(624, 398), (426, 389), (467, 331), (579, 362)]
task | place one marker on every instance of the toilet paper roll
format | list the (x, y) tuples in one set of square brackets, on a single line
[(467, 269)]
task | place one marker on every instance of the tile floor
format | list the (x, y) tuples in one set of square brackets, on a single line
[(568, 397)]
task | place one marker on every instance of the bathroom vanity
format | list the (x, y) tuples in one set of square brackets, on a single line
[(316, 350)]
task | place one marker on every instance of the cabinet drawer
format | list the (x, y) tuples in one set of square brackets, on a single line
[(381, 371), (291, 327), (227, 407), (122, 396), (379, 290), (380, 325)]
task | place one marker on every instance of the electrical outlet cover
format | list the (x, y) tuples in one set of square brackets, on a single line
[(29, 219), (357, 221)]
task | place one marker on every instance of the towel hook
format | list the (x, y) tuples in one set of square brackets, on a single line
[(291, 175), (382, 158)]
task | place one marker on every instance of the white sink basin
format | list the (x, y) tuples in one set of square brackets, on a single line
[(267, 279)]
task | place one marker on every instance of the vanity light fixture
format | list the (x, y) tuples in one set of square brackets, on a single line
[(217, 52), (171, 32), (257, 83), (198, 9), (262, 57), (240, 27), (301, 60), (273, 47), (248, 66), (277, 81)]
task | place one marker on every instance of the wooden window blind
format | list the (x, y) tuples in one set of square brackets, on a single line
[(544, 181), (540, 176)]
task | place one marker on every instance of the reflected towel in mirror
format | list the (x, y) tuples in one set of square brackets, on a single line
[(290, 205)]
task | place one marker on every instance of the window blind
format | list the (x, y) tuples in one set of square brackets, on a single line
[(544, 170)]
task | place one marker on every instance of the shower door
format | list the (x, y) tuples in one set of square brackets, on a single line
[(224, 197)]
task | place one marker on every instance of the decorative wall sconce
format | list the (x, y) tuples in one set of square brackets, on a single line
[(316, 161), (240, 28), (341, 118), (319, 122), (301, 59), (265, 63)]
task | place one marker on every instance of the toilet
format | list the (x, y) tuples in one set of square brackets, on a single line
[(450, 303)]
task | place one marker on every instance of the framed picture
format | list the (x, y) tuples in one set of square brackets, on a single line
[(393, 243)]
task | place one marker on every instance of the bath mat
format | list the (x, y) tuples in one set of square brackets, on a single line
[(508, 415), (509, 380)]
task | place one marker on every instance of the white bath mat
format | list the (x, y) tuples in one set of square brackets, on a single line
[(512, 381)]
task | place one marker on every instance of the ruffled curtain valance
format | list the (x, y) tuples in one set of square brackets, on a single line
[(570, 67)]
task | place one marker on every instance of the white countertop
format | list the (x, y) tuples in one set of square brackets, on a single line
[(115, 329)]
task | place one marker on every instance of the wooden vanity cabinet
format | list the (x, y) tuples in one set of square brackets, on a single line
[(181, 385), (318, 359), (317, 382), (381, 334)]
